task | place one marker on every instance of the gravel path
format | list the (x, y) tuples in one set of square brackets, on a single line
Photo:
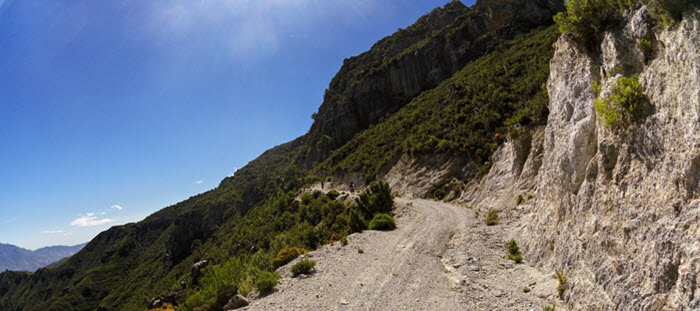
[(439, 258)]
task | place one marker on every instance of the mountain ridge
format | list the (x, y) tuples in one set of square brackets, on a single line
[(16, 258)]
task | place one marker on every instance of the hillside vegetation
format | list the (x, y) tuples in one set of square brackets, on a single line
[(470, 113)]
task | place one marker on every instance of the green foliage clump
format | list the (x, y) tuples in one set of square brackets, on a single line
[(382, 222), (670, 11), (333, 194), (286, 255), (491, 217), (223, 295), (587, 18), (217, 282), (324, 144), (559, 275), (519, 199), (526, 289), (647, 48), (549, 308), (344, 240), (514, 251), (618, 108), (266, 282), (438, 193), (306, 198), (376, 199), (303, 267)]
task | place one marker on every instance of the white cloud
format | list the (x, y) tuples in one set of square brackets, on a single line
[(90, 220), (103, 213), (117, 207), (199, 182), (52, 231)]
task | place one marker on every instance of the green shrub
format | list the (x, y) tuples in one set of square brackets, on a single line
[(526, 289), (376, 199), (360, 251), (559, 275), (669, 11), (619, 107), (225, 293), (309, 237), (303, 267), (306, 198), (519, 200), (514, 251), (647, 48), (332, 194), (549, 308), (323, 145), (491, 217), (266, 282), (344, 240), (286, 255), (587, 18), (382, 222), (439, 194), (216, 283)]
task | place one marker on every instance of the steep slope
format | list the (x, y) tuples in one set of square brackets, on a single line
[(465, 117), (16, 258), (377, 83), (123, 267)]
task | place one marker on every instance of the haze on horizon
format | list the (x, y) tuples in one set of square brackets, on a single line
[(112, 110)]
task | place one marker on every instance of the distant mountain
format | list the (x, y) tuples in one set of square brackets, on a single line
[(17, 258)]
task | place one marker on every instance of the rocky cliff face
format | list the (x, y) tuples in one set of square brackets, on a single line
[(622, 206), (617, 210), (378, 82)]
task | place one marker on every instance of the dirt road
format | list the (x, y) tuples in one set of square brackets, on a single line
[(441, 257)]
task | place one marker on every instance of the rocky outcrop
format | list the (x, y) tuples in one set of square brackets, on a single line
[(621, 208), (171, 298), (196, 270), (236, 302), (378, 82)]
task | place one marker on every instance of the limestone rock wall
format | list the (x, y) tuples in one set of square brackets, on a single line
[(622, 207)]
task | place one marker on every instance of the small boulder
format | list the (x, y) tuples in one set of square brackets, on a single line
[(155, 303), (236, 302), (196, 270)]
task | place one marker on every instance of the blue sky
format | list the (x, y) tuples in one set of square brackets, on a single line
[(112, 110)]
